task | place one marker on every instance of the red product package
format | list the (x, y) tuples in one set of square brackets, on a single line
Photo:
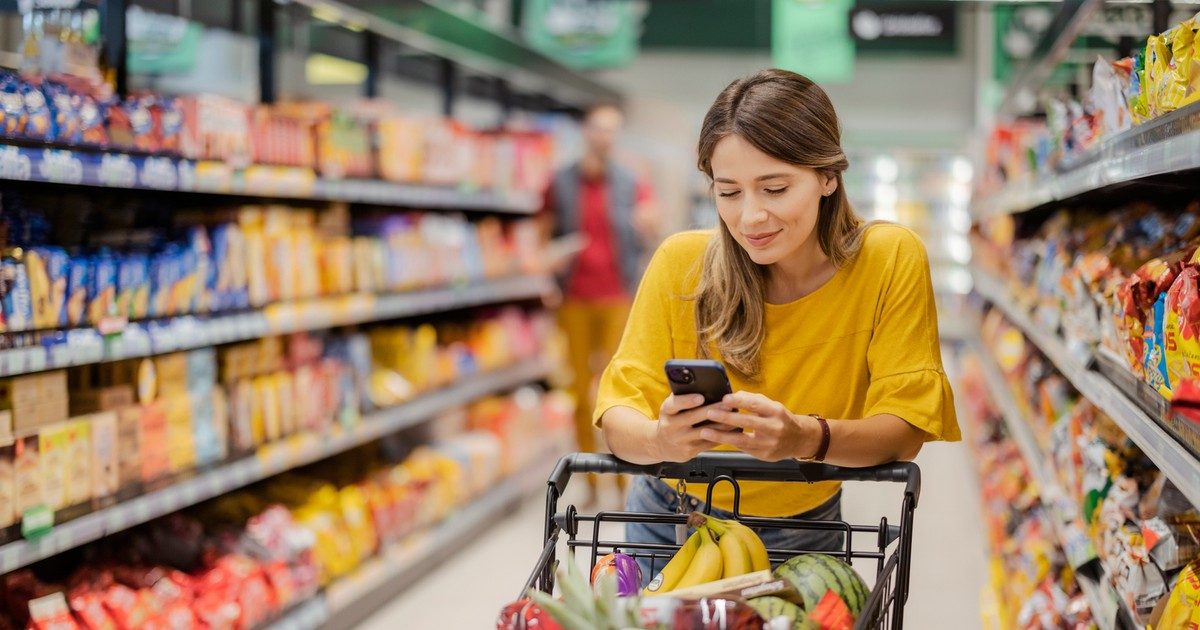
[(174, 617), (88, 606), (127, 607), (214, 612), (51, 613), (279, 579)]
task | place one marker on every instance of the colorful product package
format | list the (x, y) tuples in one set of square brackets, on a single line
[(64, 111), (133, 286), (168, 114), (54, 457), (105, 440), (47, 268), (1156, 348), (37, 113), (8, 486), (18, 302), (28, 475), (12, 106), (79, 462), (92, 129), (79, 280), (1182, 327), (227, 278), (102, 297)]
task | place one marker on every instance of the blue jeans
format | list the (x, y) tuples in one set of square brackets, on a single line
[(651, 495)]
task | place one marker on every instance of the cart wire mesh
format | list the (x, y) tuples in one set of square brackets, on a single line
[(890, 545)]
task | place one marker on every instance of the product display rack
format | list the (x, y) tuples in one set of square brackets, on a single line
[(116, 170), (270, 460), (1180, 466), (1164, 145), (141, 339), (353, 598), (1108, 611)]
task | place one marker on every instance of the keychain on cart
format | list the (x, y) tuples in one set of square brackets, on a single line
[(681, 533)]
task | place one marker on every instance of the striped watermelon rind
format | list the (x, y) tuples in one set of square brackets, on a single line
[(771, 608), (815, 574)]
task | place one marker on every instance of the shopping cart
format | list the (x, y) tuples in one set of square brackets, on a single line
[(891, 549)]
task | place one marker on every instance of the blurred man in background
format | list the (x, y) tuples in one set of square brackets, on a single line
[(611, 211)]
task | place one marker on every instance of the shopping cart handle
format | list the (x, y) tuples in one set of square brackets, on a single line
[(709, 466)]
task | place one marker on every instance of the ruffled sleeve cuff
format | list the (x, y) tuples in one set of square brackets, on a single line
[(922, 398)]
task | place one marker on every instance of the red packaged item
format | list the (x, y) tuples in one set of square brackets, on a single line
[(51, 613), (214, 612), (279, 579), (716, 614), (174, 617), (127, 607), (523, 614), (88, 606)]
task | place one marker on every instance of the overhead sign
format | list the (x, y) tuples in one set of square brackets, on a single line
[(904, 26), (584, 34), (812, 37)]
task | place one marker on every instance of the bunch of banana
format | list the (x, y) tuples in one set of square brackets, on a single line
[(718, 549)]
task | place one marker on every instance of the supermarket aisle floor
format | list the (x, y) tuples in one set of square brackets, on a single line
[(947, 572)]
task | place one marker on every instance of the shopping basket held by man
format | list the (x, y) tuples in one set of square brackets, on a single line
[(826, 324)]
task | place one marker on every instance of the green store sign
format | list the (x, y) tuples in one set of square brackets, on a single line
[(584, 34)]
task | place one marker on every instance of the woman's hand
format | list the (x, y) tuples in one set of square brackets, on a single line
[(771, 432), (676, 439)]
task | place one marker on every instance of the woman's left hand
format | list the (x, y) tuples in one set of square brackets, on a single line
[(770, 432)]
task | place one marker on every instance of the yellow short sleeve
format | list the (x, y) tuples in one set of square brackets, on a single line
[(904, 354)]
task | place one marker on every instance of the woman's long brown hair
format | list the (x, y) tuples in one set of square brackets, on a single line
[(791, 119)]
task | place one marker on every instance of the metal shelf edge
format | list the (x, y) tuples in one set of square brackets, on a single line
[(271, 460), (1037, 461), (1170, 456), (398, 563), (235, 327)]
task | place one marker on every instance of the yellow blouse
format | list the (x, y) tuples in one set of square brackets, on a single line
[(865, 343)]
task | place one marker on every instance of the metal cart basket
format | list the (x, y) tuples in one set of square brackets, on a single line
[(891, 547)]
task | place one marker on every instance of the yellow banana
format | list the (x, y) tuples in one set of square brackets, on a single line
[(735, 557), (706, 565), (669, 577), (759, 560)]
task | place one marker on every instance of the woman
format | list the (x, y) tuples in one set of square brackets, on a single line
[(827, 326)]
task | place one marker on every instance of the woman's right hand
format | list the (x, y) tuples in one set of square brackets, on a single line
[(676, 439)]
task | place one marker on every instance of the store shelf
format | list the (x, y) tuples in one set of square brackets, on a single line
[(110, 169), (1105, 610), (270, 460), (353, 598), (1169, 455), (142, 339), (1167, 144)]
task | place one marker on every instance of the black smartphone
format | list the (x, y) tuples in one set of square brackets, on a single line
[(699, 376)]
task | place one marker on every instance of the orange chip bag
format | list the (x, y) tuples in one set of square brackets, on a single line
[(1183, 327)]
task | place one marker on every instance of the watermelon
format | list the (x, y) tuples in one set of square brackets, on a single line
[(772, 609), (814, 575)]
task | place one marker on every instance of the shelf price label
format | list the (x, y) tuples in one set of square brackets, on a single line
[(159, 173), (117, 170), (14, 164), (61, 167), (36, 522)]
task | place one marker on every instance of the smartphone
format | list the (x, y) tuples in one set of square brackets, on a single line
[(699, 376)]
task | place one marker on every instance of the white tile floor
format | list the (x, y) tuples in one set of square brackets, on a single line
[(947, 571)]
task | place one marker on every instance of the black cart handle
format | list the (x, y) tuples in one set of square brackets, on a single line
[(707, 467)]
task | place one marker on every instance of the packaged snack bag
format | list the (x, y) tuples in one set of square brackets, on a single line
[(18, 301), (102, 297), (92, 119), (37, 113), (1155, 353), (64, 112), (78, 282), (47, 269), (168, 112), (1182, 327), (12, 107), (133, 286)]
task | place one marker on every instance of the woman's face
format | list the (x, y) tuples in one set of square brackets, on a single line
[(768, 205)]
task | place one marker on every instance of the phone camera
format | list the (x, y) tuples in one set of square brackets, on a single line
[(683, 375)]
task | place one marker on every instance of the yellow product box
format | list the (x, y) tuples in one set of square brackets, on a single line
[(266, 391), (289, 420), (105, 437), (36, 400), (79, 461), (181, 441), (171, 370), (54, 448)]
